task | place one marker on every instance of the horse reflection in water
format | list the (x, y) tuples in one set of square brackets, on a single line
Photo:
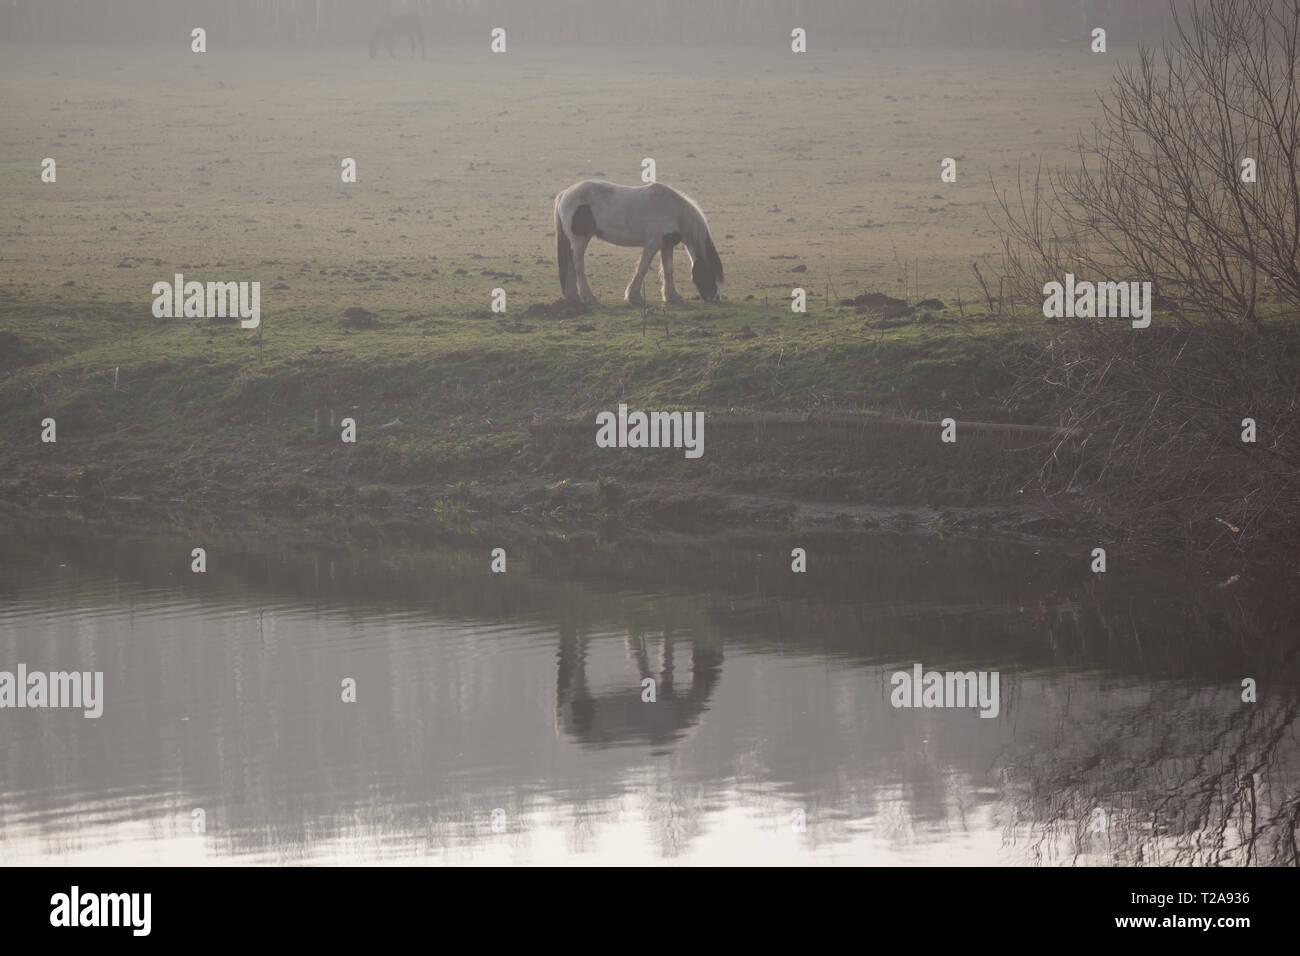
[(622, 716)]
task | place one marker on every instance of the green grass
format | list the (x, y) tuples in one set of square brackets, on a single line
[(465, 389), (227, 167)]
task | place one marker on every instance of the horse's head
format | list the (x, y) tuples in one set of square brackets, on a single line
[(706, 273)]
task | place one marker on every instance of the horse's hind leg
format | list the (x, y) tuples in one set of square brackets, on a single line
[(569, 279), (666, 268), (580, 269), (633, 293)]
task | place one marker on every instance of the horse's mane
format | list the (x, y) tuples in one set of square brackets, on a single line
[(697, 235)]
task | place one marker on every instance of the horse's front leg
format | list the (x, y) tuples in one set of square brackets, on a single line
[(580, 269), (633, 293), (666, 268)]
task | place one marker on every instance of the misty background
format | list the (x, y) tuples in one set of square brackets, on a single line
[(347, 23)]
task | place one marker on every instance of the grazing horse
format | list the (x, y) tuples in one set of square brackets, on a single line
[(654, 218), (393, 25)]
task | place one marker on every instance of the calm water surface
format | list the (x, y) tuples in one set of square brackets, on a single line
[(499, 717)]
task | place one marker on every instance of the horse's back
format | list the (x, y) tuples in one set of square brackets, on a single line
[(589, 189), (621, 215), (598, 191)]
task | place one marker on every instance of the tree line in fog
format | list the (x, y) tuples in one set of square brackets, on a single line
[(559, 22)]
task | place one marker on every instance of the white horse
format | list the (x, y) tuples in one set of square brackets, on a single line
[(653, 217)]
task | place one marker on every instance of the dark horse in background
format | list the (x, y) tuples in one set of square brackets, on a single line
[(394, 25)]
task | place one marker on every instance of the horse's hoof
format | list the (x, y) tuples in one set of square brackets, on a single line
[(635, 299), (674, 299)]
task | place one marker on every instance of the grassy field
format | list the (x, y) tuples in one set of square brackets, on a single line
[(816, 171)]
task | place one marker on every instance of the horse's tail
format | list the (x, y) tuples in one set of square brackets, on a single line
[(563, 250)]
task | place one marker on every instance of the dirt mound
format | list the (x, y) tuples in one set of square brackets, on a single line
[(358, 318), (879, 302)]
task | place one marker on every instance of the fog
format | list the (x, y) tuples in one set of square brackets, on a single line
[(349, 23)]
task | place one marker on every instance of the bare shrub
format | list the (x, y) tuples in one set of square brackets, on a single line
[(1157, 195)]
